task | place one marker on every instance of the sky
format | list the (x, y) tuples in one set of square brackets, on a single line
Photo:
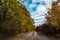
[(38, 10)]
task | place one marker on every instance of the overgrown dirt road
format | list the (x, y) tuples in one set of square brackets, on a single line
[(30, 36)]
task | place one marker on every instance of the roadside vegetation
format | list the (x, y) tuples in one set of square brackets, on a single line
[(52, 26), (14, 18)]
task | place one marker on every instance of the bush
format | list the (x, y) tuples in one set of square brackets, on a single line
[(48, 30)]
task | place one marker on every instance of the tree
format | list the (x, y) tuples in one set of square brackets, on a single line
[(14, 18), (53, 17), (52, 26)]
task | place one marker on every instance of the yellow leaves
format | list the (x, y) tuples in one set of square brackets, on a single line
[(17, 17), (23, 22), (55, 15)]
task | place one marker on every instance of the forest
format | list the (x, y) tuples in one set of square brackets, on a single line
[(16, 19)]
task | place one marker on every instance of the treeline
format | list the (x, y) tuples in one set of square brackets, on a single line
[(48, 30), (52, 26), (14, 18)]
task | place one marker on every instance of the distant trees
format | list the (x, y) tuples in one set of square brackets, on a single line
[(47, 30), (14, 18)]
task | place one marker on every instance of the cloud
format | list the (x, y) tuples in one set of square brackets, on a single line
[(32, 5), (38, 24), (41, 8), (38, 9), (34, 1), (41, 20), (39, 17)]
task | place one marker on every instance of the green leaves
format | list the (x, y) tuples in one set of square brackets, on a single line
[(16, 17)]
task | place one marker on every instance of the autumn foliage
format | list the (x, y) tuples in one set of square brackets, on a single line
[(14, 18), (52, 26)]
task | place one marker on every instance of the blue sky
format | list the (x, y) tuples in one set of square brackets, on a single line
[(38, 9)]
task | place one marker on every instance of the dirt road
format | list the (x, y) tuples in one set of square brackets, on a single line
[(30, 36)]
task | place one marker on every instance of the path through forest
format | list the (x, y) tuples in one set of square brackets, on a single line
[(31, 36)]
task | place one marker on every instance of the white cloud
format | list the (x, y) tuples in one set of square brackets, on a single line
[(41, 10), (34, 1), (47, 1), (37, 24), (39, 17), (32, 5)]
